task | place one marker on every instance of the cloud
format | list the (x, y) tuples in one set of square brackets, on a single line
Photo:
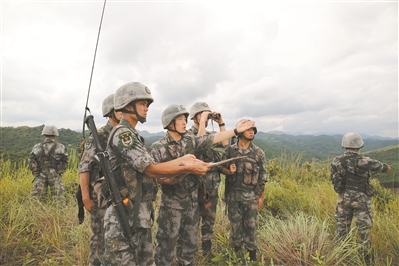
[(290, 66)]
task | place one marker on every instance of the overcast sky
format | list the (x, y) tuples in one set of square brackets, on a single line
[(291, 66)]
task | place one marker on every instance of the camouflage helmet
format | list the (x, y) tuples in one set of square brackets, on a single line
[(199, 107), (108, 105), (352, 140), (130, 92), (247, 120), (171, 112), (50, 130)]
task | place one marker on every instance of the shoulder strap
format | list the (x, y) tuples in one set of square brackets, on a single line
[(139, 188)]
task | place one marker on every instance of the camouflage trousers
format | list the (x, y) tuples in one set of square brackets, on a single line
[(208, 216), (49, 179), (243, 217), (354, 205), (117, 248), (97, 237), (176, 229)]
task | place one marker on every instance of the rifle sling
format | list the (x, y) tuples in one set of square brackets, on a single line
[(139, 189)]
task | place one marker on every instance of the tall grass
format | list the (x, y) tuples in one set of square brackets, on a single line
[(296, 225)]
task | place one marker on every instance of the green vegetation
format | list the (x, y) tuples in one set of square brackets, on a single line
[(17, 142), (296, 224), (388, 155)]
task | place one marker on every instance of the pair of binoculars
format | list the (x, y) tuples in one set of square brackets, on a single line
[(215, 116)]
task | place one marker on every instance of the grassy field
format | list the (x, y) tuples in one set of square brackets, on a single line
[(296, 225)]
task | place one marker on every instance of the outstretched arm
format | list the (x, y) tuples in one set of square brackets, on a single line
[(186, 164)]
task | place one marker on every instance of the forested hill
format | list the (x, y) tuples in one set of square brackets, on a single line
[(17, 142), (319, 147)]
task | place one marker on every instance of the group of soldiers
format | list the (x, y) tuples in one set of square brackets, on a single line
[(182, 165)]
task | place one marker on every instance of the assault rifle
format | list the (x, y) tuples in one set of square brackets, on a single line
[(116, 198)]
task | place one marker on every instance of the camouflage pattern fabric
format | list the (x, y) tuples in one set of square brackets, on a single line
[(353, 204), (179, 202), (88, 163), (47, 162), (208, 216), (97, 237), (243, 217), (176, 228), (243, 192), (117, 249), (128, 159), (350, 175), (212, 182)]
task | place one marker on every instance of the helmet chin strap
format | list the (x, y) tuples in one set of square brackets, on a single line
[(134, 112), (174, 130), (249, 139), (114, 117)]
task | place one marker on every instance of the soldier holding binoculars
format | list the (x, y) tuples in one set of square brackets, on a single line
[(200, 113)]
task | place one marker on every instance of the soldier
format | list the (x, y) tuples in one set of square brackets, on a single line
[(135, 174), (200, 113), (178, 214), (350, 175), (90, 181), (47, 162), (244, 191)]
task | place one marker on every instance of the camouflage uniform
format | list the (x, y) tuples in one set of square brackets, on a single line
[(212, 182), (350, 174), (47, 162), (129, 158), (178, 214), (243, 190), (89, 163)]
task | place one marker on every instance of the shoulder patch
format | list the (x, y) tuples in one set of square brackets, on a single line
[(126, 138)]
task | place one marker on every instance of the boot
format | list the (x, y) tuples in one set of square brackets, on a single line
[(206, 247), (252, 255)]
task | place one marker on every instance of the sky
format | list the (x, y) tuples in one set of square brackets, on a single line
[(291, 66)]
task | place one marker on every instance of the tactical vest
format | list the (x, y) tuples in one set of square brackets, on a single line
[(247, 172), (190, 182), (352, 179), (47, 158), (129, 181)]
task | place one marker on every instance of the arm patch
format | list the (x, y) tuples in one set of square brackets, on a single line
[(126, 138)]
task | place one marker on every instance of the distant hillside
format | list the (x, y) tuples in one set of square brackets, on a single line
[(319, 147), (17, 142)]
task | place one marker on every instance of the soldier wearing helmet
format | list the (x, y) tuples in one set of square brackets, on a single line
[(178, 218), (47, 162), (350, 175), (244, 190), (135, 173), (90, 181), (200, 114)]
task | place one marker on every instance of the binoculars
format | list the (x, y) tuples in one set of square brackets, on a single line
[(215, 116)]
